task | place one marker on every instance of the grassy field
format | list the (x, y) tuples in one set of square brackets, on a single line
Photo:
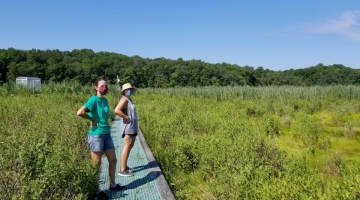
[(44, 152), (255, 143), (211, 142)]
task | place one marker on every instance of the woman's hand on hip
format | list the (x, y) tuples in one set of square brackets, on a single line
[(93, 123), (127, 119)]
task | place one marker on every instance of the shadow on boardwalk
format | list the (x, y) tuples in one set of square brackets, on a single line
[(147, 182), (151, 176)]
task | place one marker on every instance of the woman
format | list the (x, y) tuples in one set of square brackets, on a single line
[(96, 109), (129, 125)]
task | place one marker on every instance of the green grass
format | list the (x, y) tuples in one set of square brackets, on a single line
[(211, 143), (43, 146), (249, 142)]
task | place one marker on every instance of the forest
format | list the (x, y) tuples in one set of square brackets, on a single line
[(85, 65)]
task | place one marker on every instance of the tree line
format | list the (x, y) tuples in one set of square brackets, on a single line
[(85, 65)]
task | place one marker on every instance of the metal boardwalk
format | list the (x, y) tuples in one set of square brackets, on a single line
[(147, 182)]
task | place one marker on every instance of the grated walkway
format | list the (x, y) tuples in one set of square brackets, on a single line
[(146, 183)]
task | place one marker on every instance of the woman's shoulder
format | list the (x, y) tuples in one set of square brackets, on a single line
[(92, 98), (124, 98), (95, 98)]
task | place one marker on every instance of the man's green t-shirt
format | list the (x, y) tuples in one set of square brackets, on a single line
[(99, 110)]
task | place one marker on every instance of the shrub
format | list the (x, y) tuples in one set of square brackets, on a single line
[(307, 128)]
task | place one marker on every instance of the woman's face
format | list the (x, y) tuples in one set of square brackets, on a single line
[(101, 87), (128, 92)]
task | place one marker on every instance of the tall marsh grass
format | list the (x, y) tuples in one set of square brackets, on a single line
[(265, 93), (251, 143), (210, 142)]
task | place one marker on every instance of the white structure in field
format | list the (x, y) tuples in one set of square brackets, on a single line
[(29, 81), (118, 82)]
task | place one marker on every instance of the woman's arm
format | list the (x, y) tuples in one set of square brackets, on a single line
[(121, 105), (82, 112)]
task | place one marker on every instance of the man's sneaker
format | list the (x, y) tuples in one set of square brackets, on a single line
[(125, 173), (101, 195), (129, 169), (117, 187)]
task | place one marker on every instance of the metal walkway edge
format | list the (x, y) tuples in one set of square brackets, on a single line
[(147, 183)]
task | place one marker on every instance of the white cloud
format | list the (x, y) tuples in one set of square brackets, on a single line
[(347, 25)]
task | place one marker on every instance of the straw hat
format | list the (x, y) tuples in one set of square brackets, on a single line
[(127, 86)]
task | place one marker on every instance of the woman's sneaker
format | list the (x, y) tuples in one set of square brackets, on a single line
[(100, 195), (125, 173), (129, 169), (117, 187)]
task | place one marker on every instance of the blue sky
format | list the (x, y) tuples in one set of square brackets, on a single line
[(277, 34)]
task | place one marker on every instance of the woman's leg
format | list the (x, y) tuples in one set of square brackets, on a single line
[(96, 145), (111, 156), (128, 144), (96, 156)]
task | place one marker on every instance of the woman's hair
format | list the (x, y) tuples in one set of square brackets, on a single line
[(97, 82)]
